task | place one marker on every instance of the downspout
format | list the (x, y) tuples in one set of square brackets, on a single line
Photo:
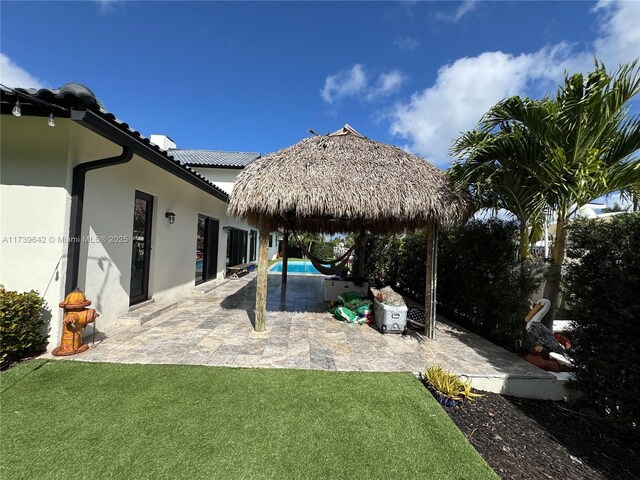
[(77, 199)]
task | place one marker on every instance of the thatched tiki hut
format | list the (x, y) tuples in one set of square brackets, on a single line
[(344, 182)]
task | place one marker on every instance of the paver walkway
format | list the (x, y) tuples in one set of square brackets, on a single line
[(216, 329)]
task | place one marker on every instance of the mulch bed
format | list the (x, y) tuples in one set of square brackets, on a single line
[(537, 439)]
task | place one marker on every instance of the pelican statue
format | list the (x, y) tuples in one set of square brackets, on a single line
[(541, 335)]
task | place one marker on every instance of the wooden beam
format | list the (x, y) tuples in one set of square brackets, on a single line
[(285, 257), (261, 283), (431, 280)]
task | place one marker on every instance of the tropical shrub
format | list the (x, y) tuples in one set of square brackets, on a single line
[(450, 384), (21, 325), (411, 275), (382, 254), (561, 153), (602, 284)]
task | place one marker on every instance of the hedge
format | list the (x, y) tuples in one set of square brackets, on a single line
[(482, 284), (602, 283), (21, 325), (322, 250)]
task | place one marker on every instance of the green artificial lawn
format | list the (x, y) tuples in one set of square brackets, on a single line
[(67, 419)]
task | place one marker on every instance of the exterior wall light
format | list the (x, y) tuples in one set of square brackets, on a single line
[(17, 107), (226, 229), (17, 111), (171, 217)]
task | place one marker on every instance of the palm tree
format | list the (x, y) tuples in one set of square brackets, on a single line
[(589, 148), (309, 239), (615, 208), (500, 169), (632, 194)]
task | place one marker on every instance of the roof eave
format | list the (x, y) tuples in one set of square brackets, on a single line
[(108, 130)]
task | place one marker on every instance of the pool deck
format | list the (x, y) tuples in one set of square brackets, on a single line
[(215, 327)]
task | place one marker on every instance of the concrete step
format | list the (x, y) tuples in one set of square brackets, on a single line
[(552, 386), (142, 313), (207, 287), (545, 386)]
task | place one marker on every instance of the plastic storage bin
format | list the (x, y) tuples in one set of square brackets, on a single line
[(390, 319)]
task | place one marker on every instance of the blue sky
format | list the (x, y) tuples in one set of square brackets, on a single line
[(256, 76)]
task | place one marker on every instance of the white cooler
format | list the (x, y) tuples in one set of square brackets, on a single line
[(390, 319)]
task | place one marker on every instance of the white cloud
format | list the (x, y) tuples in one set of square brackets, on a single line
[(108, 6), (465, 89), (14, 76), (406, 43), (386, 84), (619, 40), (347, 83), (354, 83), (464, 8), (408, 5)]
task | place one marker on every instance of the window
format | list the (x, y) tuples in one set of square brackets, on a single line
[(270, 241)]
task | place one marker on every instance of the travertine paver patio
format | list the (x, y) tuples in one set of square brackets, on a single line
[(216, 329)]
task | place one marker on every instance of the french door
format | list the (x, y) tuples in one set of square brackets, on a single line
[(141, 253), (207, 248), (236, 247), (252, 245)]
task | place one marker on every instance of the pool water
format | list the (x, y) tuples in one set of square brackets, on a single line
[(296, 266)]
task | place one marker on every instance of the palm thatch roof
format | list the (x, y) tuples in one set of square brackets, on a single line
[(344, 182)]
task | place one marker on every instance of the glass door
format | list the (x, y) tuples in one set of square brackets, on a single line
[(200, 244), (211, 256), (252, 245), (206, 248), (236, 247), (141, 240), (243, 247)]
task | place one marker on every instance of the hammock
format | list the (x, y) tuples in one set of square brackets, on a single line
[(329, 270), (322, 261), (320, 264)]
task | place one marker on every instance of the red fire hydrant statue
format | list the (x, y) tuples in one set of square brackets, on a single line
[(76, 317)]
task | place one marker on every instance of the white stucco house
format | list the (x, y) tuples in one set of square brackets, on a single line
[(88, 202), (221, 168)]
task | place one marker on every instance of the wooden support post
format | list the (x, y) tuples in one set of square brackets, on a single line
[(431, 280), (361, 255), (285, 257), (261, 283)]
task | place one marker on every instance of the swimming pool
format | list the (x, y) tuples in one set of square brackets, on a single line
[(302, 267)]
